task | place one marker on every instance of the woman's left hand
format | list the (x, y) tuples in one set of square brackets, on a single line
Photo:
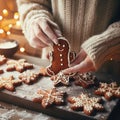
[(81, 64)]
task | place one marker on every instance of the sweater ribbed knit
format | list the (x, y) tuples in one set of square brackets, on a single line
[(90, 24)]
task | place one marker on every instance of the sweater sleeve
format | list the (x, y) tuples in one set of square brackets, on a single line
[(30, 10), (104, 46)]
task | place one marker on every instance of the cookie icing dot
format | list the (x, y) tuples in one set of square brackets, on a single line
[(61, 64), (61, 59), (61, 55)]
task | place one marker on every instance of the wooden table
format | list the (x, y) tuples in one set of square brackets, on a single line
[(11, 112)]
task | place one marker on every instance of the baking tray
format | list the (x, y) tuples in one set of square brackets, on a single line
[(23, 94)]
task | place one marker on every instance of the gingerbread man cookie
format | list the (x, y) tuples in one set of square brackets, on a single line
[(49, 97), (85, 103), (9, 83), (108, 90), (18, 65), (60, 57)]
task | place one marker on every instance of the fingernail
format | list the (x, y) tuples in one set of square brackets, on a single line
[(55, 41), (50, 44), (59, 35), (65, 71)]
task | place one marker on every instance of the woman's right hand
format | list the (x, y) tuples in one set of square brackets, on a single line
[(43, 33)]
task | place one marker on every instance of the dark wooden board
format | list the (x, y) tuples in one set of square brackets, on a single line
[(24, 93)]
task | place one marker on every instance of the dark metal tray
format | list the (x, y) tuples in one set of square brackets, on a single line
[(23, 94)]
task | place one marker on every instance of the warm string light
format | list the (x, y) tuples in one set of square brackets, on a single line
[(1, 31), (16, 15), (18, 23), (7, 24), (10, 25), (22, 49), (8, 33), (1, 17), (5, 12)]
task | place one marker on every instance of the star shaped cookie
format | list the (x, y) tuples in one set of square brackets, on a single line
[(108, 90), (49, 97), (18, 65), (9, 83), (85, 103), (60, 78)]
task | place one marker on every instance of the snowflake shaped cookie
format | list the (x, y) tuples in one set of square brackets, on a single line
[(49, 97), (29, 77), (85, 80), (108, 90), (85, 103), (60, 78), (18, 65), (8, 83)]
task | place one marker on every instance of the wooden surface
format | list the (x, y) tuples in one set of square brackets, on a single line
[(24, 93)]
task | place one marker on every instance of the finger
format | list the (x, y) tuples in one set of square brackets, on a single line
[(80, 57), (58, 32), (40, 35), (38, 44), (73, 69), (55, 28), (84, 66), (53, 24), (78, 68), (49, 32), (35, 42)]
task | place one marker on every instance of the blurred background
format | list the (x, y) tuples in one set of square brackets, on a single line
[(10, 27)]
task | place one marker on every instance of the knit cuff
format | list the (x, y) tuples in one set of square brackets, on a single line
[(101, 48)]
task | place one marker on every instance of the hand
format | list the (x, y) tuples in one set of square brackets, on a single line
[(81, 64), (44, 32)]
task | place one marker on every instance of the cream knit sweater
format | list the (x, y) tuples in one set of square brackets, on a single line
[(90, 24)]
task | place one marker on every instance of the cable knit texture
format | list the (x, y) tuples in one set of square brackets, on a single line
[(90, 24)]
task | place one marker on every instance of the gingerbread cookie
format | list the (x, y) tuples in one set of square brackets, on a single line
[(18, 65), (3, 59), (60, 79), (9, 83), (49, 97), (29, 77), (1, 71), (85, 80), (108, 90), (43, 71), (85, 103), (60, 57)]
